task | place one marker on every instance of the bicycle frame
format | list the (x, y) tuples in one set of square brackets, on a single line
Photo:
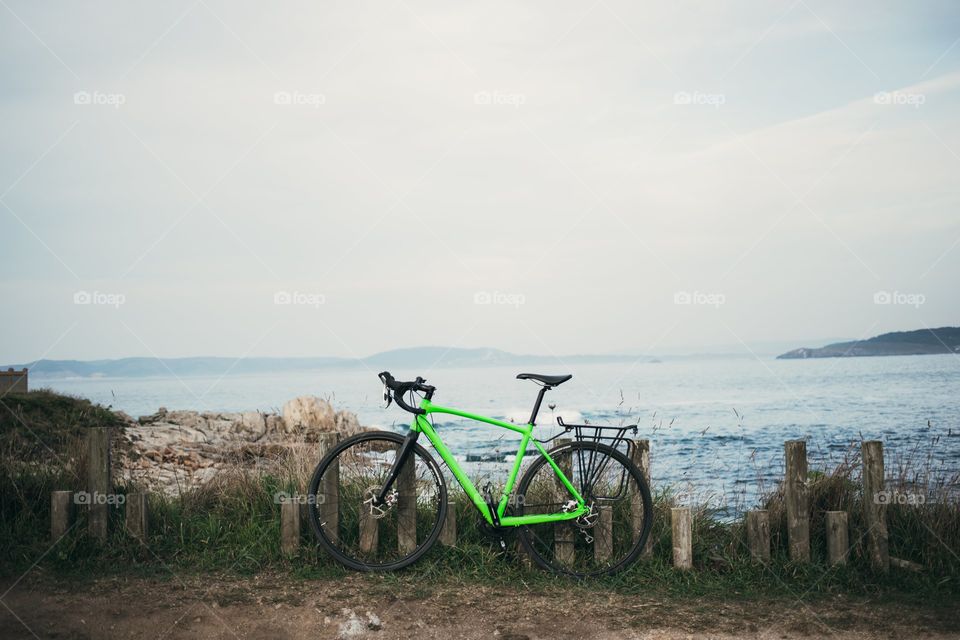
[(422, 425)]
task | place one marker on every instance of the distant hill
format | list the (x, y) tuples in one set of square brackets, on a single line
[(409, 359), (898, 343)]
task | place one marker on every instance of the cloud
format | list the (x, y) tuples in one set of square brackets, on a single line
[(426, 153)]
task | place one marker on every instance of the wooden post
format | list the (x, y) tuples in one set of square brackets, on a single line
[(515, 504), (407, 506), (289, 526), (328, 493), (98, 481), (838, 537), (369, 530), (137, 524), (797, 496), (758, 535), (448, 535), (682, 525), (525, 561), (564, 535), (899, 563), (603, 535), (875, 505), (61, 513), (640, 456)]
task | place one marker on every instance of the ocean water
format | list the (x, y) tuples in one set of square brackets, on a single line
[(716, 426)]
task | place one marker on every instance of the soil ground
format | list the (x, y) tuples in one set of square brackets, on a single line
[(277, 607)]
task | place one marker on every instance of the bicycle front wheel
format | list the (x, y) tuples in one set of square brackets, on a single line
[(388, 536), (611, 535)]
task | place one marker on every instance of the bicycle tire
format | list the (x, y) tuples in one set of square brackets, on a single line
[(315, 517), (550, 564)]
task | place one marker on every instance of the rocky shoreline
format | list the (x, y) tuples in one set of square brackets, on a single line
[(175, 451)]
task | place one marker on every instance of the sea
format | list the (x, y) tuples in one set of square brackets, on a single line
[(716, 425)]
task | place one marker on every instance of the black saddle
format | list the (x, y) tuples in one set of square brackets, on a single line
[(550, 381)]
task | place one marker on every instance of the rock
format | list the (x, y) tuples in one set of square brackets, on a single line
[(204, 475), (346, 423), (156, 417), (265, 450), (354, 626), (219, 425), (308, 413), (252, 424), (373, 622), (177, 451), (191, 419), (274, 423)]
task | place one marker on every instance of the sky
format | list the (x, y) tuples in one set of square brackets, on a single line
[(305, 179)]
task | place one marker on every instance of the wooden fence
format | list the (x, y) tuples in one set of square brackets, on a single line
[(757, 522)]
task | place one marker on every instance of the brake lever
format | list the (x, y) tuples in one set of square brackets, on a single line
[(387, 398)]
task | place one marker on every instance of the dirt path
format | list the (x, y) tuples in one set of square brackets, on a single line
[(277, 608)]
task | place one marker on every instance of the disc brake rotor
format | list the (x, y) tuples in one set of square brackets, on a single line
[(589, 519), (379, 510)]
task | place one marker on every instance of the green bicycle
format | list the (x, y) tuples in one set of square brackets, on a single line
[(378, 500)]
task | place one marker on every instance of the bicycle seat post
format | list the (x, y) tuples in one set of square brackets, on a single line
[(536, 406), (545, 382)]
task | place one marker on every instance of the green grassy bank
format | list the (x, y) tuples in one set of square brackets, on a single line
[(233, 526)]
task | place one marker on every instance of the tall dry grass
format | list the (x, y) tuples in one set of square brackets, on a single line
[(232, 524)]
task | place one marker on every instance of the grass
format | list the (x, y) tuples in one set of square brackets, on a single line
[(42, 424), (231, 525)]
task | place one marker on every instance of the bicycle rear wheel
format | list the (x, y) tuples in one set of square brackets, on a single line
[(376, 538), (606, 540)]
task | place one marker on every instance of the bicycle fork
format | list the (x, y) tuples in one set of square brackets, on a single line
[(406, 450)]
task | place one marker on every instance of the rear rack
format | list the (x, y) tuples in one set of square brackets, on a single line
[(590, 466), (609, 435)]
